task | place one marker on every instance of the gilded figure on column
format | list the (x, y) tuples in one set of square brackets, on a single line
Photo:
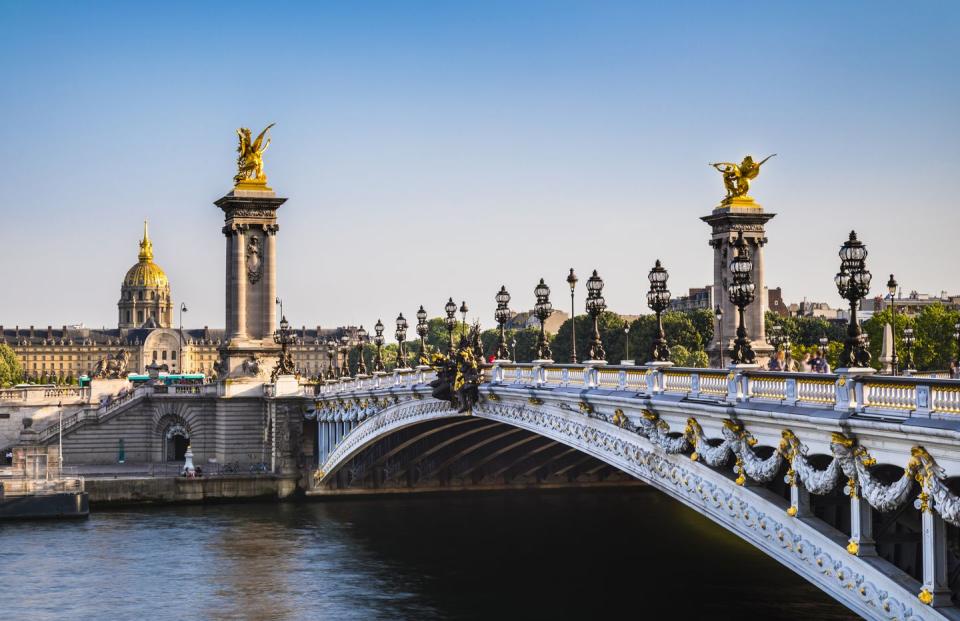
[(250, 158), (737, 177)]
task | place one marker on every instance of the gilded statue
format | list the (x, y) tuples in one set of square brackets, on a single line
[(736, 177), (250, 158)]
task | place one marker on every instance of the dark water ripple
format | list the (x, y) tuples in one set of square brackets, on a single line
[(579, 555)]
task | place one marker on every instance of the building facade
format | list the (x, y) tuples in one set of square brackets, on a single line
[(145, 333)]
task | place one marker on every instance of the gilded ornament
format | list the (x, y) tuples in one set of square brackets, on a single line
[(250, 159), (737, 177)]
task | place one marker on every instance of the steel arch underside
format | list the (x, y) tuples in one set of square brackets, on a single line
[(867, 585)]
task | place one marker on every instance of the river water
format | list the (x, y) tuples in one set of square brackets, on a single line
[(531, 555)]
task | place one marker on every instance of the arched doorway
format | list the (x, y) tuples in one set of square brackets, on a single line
[(177, 440)]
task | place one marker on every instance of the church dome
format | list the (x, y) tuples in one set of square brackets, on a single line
[(145, 273)]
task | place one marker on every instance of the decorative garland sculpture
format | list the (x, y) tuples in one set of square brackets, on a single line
[(459, 375)]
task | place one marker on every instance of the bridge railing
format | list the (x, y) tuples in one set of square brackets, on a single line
[(904, 396)]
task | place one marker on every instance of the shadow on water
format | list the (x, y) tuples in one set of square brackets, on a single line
[(559, 554)]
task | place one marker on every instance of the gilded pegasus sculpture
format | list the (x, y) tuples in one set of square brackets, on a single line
[(737, 177), (250, 158)]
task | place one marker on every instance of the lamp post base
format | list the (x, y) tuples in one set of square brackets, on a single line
[(659, 364)]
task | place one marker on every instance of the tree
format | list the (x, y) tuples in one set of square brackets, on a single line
[(11, 372), (806, 330), (611, 328), (933, 349)]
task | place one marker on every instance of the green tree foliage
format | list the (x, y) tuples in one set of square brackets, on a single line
[(611, 334), (806, 331), (933, 348), (11, 372), (683, 357)]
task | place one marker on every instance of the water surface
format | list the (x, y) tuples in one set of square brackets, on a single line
[(539, 555)]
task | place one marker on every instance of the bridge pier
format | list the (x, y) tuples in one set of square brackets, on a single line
[(935, 590), (861, 528)]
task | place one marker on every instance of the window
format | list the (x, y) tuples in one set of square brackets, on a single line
[(164, 356), (139, 295), (128, 317), (139, 316), (154, 355), (173, 355)]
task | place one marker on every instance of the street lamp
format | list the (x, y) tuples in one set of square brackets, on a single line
[(822, 349), (183, 309), (361, 365), (956, 335), (422, 327), (282, 338), (464, 310), (513, 343), (401, 335), (572, 281), (332, 371), (345, 352), (741, 292), (908, 341), (595, 305), (451, 309), (378, 341), (658, 299), (853, 283), (542, 309), (502, 314), (718, 313), (626, 338), (892, 289)]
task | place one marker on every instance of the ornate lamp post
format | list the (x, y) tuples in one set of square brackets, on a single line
[(332, 371), (513, 343), (908, 341), (542, 309), (718, 313), (502, 314), (345, 352), (956, 335), (658, 299), (626, 344), (595, 305), (401, 335), (463, 311), (422, 327), (183, 309), (822, 348), (451, 309), (572, 281), (853, 282), (892, 289), (741, 292), (282, 338), (361, 365), (378, 341)]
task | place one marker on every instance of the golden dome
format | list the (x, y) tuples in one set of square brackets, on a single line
[(145, 273)]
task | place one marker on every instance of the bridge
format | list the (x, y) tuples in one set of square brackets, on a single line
[(848, 480)]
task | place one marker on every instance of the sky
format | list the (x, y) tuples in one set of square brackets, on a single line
[(437, 149)]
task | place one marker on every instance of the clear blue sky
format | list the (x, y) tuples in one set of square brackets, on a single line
[(431, 149)]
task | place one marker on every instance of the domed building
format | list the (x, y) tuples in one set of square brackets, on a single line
[(145, 300)]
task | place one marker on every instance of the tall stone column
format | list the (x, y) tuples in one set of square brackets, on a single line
[(270, 277), (250, 226), (726, 221), (239, 284)]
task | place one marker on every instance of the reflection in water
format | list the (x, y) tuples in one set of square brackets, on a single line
[(466, 556)]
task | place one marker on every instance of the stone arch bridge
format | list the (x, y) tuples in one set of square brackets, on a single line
[(849, 481)]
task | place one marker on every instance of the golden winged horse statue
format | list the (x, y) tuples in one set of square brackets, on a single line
[(737, 177), (250, 158)]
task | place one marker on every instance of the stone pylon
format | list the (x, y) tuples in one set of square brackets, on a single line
[(251, 282), (726, 220)]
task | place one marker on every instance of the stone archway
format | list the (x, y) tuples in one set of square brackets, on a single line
[(176, 441)]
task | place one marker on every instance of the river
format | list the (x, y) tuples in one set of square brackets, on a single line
[(530, 555)]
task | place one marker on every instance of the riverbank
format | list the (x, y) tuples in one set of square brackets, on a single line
[(111, 492)]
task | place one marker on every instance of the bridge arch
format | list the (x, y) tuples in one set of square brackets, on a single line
[(755, 514)]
